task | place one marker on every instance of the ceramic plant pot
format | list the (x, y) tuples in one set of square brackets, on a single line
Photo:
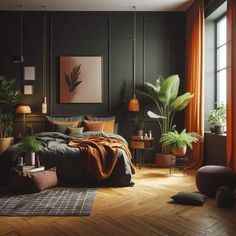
[(164, 160), (179, 152), (5, 143), (219, 129)]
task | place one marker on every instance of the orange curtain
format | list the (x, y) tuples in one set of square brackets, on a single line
[(231, 84), (194, 120)]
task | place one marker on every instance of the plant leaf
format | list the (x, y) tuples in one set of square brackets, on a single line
[(169, 89), (155, 116), (181, 102), (72, 80)]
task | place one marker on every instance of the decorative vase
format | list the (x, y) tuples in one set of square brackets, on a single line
[(5, 143), (179, 152), (218, 129)]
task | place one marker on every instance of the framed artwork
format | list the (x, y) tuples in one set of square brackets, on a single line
[(28, 89), (29, 73), (80, 79)]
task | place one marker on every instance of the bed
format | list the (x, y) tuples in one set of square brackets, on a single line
[(72, 169)]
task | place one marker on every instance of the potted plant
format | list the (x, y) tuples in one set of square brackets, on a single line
[(164, 94), (178, 142), (9, 97), (29, 146), (217, 118), (30, 128), (139, 125)]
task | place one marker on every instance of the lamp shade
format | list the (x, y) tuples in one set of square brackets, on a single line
[(134, 104), (23, 109)]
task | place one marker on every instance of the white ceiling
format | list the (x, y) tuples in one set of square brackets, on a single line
[(97, 5)]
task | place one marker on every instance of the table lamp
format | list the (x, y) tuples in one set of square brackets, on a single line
[(23, 110)]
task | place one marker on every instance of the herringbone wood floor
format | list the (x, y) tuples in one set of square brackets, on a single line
[(144, 209)]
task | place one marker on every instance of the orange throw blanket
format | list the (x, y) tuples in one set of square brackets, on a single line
[(101, 154)]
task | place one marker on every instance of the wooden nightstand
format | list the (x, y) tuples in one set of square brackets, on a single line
[(139, 145)]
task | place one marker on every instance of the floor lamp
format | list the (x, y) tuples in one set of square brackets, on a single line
[(23, 110)]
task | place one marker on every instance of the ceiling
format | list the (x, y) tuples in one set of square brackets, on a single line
[(97, 5)]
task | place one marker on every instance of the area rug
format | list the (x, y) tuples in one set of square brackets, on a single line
[(51, 202)]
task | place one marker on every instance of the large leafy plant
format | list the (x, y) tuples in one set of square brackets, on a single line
[(164, 93), (9, 97)]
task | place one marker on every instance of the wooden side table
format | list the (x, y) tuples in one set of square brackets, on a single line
[(139, 145)]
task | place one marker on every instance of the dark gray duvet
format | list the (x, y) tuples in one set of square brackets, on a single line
[(68, 161)]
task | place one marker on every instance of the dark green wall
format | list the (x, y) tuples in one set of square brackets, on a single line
[(160, 51)]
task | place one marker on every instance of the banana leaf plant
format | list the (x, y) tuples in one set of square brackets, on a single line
[(164, 93)]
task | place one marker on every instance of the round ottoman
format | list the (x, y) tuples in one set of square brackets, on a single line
[(210, 178)]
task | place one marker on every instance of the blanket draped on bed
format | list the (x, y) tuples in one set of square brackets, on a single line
[(101, 154)]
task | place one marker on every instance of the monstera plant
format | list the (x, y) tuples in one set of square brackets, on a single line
[(164, 94)]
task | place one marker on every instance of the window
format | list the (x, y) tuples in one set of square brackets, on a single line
[(221, 57)]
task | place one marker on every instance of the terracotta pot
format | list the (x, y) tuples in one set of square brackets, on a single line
[(164, 160), (179, 152), (5, 143)]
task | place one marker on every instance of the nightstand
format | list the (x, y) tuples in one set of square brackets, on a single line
[(139, 145)]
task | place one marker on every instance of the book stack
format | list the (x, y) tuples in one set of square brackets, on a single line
[(31, 169)]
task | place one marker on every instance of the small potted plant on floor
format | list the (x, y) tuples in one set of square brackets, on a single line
[(177, 142), (30, 145), (217, 119)]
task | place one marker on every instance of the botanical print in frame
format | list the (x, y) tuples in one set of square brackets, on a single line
[(80, 79)]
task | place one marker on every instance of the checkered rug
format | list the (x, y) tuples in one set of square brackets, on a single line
[(51, 202)]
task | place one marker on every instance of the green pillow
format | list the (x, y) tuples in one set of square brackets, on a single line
[(75, 131), (189, 198)]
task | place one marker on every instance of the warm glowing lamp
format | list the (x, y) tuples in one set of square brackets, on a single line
[(134, 103), (23, 110)]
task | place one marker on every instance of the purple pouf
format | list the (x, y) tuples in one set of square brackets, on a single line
[(210, 178)]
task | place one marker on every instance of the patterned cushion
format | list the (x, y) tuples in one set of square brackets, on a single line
[(26, 182)]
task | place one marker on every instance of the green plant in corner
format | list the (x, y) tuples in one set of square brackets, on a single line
[(9, 98), (178, 142), (164, 94)]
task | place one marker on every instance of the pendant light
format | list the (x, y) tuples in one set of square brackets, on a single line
[(20, 58), (134, 103), (44, 100)]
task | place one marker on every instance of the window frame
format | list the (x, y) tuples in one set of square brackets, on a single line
[(216, 56)]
